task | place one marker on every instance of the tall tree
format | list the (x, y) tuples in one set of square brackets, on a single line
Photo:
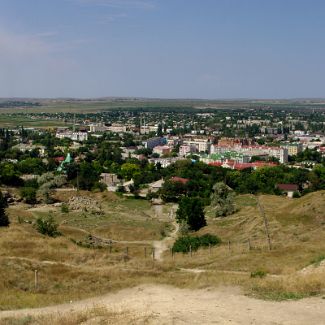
[(191, 211), (223, 200), (4, 220)]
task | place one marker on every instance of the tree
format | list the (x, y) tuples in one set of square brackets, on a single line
[(159, 131), (222, 200), (4, 220), (88, 176), (47, 226), (129, 170), (28, 194), (191, 211)]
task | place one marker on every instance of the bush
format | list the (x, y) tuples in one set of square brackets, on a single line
[(64, 208), (47, 226), (184, 243), (28, 194), (258, 274)]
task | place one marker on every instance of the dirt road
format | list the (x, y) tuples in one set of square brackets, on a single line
[(169, 305)]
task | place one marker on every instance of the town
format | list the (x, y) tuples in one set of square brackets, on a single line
[(128, 149)]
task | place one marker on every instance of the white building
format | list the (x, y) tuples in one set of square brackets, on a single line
[(277, 152), (75, 136), (201, 144)]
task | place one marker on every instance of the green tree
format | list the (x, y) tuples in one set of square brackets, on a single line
[(191, 211), (159, 131), (223, 200), (4, 220), (47, 226), (129, 170), (28, 194), (88, 176)]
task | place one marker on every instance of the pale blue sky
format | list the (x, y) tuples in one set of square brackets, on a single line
[(162, 48)]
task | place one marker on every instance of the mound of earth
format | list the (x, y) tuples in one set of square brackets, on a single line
[(83, 203)]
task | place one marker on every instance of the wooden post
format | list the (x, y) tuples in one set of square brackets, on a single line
[(209, 249), (249, 244), (266, 224), (191, 250), (36, 279), (145, 252), (229, 245), (127, 252), (110, 248), (173, 254), (153, 253)]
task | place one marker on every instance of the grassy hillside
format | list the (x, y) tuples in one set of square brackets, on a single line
[(68, 271)]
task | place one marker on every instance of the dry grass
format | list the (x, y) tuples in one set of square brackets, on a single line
[(71, 272), (95, 315), (294, 286)]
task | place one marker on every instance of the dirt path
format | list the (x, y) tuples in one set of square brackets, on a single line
[(169, 305), (162, 246)]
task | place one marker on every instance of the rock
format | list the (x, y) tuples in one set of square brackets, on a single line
[(82, 203)]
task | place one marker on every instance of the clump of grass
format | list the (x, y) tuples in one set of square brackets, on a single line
[(258, 274), (317, 260), (288, 288), (100, 315)]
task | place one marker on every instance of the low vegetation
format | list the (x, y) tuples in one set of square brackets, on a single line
[(186, 244)]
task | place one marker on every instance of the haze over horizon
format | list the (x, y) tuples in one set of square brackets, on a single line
[(162, 49)]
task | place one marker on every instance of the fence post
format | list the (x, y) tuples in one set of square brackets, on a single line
[(145, 252), (191, 250), (229, 245), (36, 279), (249, 244), (153, 253), (110, 248)]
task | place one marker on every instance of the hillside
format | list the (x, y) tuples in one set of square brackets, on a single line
[(71, 270)]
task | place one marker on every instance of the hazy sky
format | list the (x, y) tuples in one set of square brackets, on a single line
[(162, 48)]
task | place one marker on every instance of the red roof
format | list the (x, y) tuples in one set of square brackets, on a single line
[(216, 163), (179, 179), (241, 166), (58, 159), (287, 187)]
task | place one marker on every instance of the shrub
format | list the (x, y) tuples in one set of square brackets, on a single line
[(64, 208), (258, 274), (317, 260), (28, 194), (47, 226), (184, 243)]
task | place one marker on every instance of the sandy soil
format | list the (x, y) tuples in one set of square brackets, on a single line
[(169, 305)]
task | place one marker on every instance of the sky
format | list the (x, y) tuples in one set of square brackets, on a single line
[(209, 49)]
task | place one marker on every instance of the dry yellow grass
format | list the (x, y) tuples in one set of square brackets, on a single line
[(70, 272)]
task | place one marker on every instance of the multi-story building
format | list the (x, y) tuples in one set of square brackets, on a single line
[(73, 135), (277, 152), (117, 128), (186, 149), (161, 150), (293, 148), (201, 144), (154, 142), (99, 127)]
